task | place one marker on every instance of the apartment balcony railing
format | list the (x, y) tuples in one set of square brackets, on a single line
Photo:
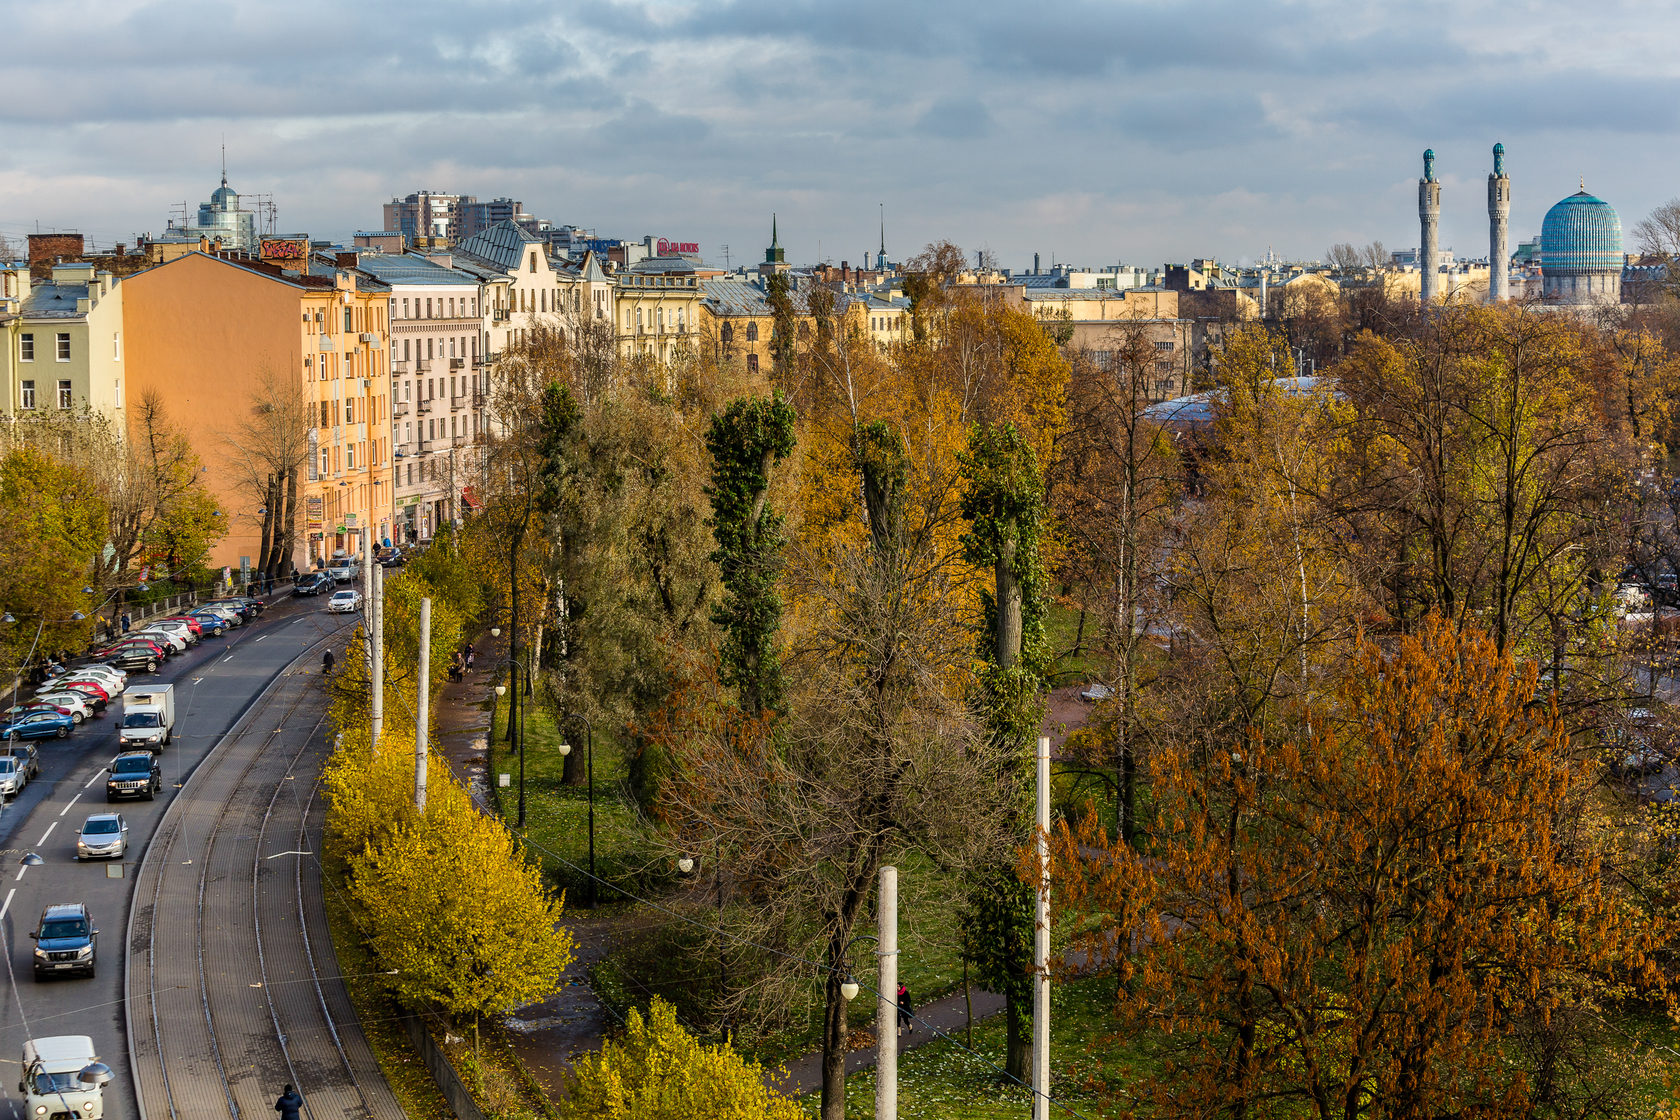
[(399, 365), (424, 445), (400, 409), (478, 399), (423, 405), (423, 365), (457, 363), (458, 401), (459, 441)]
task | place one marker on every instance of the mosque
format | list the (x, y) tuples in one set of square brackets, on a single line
[(1581, 255)]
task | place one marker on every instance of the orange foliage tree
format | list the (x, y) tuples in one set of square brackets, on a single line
[(1393, 909)]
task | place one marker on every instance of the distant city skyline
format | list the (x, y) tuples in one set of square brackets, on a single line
[(1087, 132)]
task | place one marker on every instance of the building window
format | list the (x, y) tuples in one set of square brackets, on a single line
[(349, 410), (348, 320), (324, 470), (1163, 347), (116, 391), (405, 307), (752, 363), (116, 346), (26, 348), (27, 398), (752, 332), (533, 260), (63, 347), (63, 393), (350, 457), (728, 334)]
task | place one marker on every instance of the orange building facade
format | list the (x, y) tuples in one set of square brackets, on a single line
[(211, 335)]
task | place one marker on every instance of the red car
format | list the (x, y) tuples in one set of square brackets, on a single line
[(97, 697), (193, 624)]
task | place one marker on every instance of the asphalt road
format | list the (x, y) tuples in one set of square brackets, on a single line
[(216, 683)]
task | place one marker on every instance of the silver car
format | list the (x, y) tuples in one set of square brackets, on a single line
[(13, 776), (103, 836)]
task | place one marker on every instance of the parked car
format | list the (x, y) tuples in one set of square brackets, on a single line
[(103, 836), (107, 677), (175, 626), (344, 601), (64, 944), (66, 700), (134, 774), (344, 569), (209, 623), (241, 607), (13, 776), (38, 706), (37, 725), (28, 756), (192, 623), (171, 642), (228, 616), (312, 584), (95, 695), (155, 643), (390, 557), (131, 657)]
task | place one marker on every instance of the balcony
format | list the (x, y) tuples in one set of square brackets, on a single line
[(457, 363), (423, 365), (424, 445), (423, 405), (458, 441), (399, 365), (325, 342), (478, 399), (399, 409), (457, 402)]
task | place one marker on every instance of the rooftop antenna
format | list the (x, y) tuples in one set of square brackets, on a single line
[(726, 257), (224, 160)]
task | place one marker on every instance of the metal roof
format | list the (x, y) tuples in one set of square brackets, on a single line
[(56, 301), (410, 270), (502, 245)]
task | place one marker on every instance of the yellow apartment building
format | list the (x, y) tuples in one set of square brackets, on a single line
[(64, 346), (212, 334)]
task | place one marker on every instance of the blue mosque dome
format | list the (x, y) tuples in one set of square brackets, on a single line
[(1581, 234)]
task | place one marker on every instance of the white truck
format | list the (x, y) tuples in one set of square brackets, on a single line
[(63, 1079), (148, 717)]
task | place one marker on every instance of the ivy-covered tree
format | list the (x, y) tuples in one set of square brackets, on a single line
[(746, 440), (1004, 504), (778, 293)]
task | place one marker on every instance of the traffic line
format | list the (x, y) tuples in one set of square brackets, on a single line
[(259, 637), (70, 802), (21, 870), (91, 780), (46, 834), (7, 905)]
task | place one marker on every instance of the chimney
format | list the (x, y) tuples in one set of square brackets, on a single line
[(1035, 264), (119, 250), (346, 260)]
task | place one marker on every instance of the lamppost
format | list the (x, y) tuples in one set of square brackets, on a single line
[(566, 749), (517, 742), (686, 865)]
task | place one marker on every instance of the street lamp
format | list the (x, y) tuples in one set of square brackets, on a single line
[(589, 748)]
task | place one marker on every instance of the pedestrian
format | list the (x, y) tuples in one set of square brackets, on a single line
[(294, 573), (905, 1023), (469, 657), (127, 621), (326, 663), (289, 1104)]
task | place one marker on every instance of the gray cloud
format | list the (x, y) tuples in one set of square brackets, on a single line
[(1093, 129)]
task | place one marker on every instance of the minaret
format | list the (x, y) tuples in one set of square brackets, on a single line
[(1499, 233), (1429, 214)]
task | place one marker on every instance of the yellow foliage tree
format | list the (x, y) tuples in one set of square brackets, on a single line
[(660, 1072), (453, 905)]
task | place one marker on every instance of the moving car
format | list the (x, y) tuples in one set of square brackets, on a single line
[(13, 776), (312, 584), (347, 600), (51, 1084), (344, 569), (64, 942), (134, 774), (148, 717), (103, 836), (37, 725)]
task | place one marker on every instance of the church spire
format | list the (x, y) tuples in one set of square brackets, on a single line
[(224, 163), (774, 254)]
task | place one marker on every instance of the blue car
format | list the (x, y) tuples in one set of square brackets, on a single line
[(213, 624), (37, 725)]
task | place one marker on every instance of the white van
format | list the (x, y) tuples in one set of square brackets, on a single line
[(52, 1085)]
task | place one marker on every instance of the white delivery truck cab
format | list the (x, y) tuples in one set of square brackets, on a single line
[(51, 1087), (148, 717)]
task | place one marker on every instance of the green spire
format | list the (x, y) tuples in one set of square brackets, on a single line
[(774, 254), (773, 241)]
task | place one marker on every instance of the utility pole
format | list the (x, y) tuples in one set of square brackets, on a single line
[(376, 647), (422, 695), (886, 1007), (1041, 945)]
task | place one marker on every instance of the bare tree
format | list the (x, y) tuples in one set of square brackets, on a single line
[(1344, 258), (268, 455)]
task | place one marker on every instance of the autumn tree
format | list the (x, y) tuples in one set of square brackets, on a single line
[(1003, 503), (784, 325), (927, 279), (746, 441), (52, 529), (1390, 905), (659, 1071)]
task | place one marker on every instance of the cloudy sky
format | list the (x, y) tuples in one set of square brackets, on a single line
[(1091, 131)]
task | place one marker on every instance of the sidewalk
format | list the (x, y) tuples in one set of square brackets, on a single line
[(548, 1033)]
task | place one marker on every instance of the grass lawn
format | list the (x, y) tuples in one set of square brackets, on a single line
[(945, 1081), (1073, 656), (557, 815)]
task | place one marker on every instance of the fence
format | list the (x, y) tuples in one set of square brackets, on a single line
[(455, 1091)]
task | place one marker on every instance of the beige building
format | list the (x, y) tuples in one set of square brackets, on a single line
[(64, 345), (215, 336)]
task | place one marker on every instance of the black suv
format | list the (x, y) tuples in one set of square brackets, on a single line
[(134, 774), (64, 941)]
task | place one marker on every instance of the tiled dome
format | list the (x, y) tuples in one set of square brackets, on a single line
[(1580, 234)]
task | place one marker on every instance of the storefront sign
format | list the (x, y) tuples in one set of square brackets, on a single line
[(314, 512)]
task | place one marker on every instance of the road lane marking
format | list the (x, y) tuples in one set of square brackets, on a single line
[(259, 637), (69, 803), (46, 834), (21, 870), (93, 779), (7, 905)]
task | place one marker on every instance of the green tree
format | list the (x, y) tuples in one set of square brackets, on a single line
[(778, 293), (746, 440), (658, 1071), (1004, 504), (52, 528)]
